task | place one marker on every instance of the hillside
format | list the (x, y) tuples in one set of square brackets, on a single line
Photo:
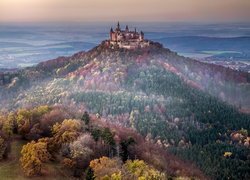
[(188, 108)]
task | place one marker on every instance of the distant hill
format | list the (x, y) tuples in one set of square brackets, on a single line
[(203, 43)]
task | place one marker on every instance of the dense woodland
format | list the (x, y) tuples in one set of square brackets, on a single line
[(178, 105), (85, 147), (195, 125)]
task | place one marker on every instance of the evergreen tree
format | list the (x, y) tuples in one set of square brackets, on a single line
[(86, 118)]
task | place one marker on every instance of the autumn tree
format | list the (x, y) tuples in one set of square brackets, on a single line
[(26, 118), (82, 147), (138, 169), (4, 146), (105, 168), (56, 115), (23, 121), (34, 154), (65, 132), (81, 152), (68, 163), (12, 122)]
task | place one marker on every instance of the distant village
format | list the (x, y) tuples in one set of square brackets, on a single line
[(128, 39)]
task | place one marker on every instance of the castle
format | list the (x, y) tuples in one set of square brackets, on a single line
[(127, 39)]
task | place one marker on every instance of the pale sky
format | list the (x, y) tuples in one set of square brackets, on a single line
[(124, 10)]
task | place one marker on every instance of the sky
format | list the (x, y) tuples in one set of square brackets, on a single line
[(124, 10)]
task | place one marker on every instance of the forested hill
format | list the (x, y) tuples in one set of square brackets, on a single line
[(187, 107), (226, 84)]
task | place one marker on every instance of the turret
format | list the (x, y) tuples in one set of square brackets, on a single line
[(141, 36), (118, 27), (111, 33), (127, 30)]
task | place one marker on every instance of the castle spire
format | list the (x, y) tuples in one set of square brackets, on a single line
[(118, 25)]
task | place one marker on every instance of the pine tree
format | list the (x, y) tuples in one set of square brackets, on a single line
[(86, 118)]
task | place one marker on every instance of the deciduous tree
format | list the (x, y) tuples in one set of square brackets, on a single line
[(34, 154), (105, 167)]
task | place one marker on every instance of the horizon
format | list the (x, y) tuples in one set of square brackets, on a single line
[(62, 11)]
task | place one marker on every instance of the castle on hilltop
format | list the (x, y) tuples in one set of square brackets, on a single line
[(127, 39)]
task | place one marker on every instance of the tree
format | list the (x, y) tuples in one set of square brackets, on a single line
[(89, 174), (24, 121), (105, 168), (34, 154), (124, 147), (4, 146), (132, 119), (67, 131), (112, 169), (26, 118), (64, 133), (86, 118), (138, 169), (7, 127), (108, 139), (96, 133), (81, 148), (12, 121), (81, 151), (68, 163), (57, 114)]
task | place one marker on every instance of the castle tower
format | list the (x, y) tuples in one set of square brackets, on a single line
[(111, 33), (141, 36), (127, 30), (118, 27)]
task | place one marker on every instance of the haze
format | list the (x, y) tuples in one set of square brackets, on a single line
[(124, 10)]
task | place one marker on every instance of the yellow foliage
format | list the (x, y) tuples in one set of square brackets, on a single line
[(116, 176), (138, 169), (22, 116), (40, 110), (111, 169), (228, 154), (105, 168), (33, 156), (2, 119), (72, 125), (8, 124), (66, 132), (68, 163)]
